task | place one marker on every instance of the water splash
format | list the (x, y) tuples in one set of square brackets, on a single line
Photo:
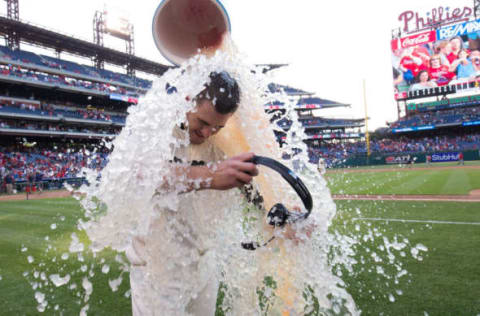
[(58, 280), (202, 230), (193, 239)]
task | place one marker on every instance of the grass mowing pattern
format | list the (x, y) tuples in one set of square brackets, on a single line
[(445, 282), (416, 165), (436, 181), (27, 223)]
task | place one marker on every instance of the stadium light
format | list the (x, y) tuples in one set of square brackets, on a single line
[(117, 23)]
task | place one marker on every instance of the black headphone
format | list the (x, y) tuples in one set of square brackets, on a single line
[(279, 215)]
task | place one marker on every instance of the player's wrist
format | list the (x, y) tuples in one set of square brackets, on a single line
[(206, 177)]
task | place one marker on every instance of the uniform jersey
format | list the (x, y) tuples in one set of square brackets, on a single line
[(407, 63), (174, 266), (441, 75)]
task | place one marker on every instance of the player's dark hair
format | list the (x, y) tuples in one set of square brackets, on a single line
[(223, 91)]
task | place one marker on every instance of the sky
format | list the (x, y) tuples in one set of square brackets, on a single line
[(332, 47)]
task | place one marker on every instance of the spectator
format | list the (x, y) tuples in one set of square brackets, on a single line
[(9, 182), (443, 49), (456, 44), (475, 59), (439, 72), (463, 66), (410, 65), (423, 82), (460, 159)]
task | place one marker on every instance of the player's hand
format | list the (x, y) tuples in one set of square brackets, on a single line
[(233, 172)]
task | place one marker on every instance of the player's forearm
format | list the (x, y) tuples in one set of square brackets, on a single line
[(184, 179), (198, 178)]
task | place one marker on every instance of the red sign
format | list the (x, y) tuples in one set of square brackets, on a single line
[(401, 95), (413, 21), (273, 107), (394, 44), (419, 39), (133, 100)]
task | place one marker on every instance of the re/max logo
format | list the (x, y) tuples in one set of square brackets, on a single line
[(458, 30)]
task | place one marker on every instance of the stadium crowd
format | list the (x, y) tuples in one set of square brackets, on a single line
[(26, 57), (458, 115), (20, 164), (52, 110), (335, 152), (23, 162), (47, 126), (35, 75)]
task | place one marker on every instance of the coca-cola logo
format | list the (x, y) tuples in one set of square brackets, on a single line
[(418, 39)]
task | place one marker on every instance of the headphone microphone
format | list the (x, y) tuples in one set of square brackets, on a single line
[(279, 215)]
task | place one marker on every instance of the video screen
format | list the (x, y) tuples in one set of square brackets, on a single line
[(435, 59)]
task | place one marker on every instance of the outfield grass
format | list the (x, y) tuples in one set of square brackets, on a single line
[(445, 283), (404, 166), (405, 181), (28, 223)]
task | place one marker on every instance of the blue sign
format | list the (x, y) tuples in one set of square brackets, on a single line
[(471, 123), (413, 129), (448, 32), (443, 157), (119, 97)]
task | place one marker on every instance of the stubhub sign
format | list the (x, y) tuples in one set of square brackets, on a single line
[(445, 157)]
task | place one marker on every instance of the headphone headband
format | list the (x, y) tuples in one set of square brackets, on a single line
[(290, 177), (279, 214)]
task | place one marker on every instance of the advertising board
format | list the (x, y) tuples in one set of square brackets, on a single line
[(399, 159), (444, 60), (471, 123), (413, 129), (125, 98), (445, 157), (443, 104)]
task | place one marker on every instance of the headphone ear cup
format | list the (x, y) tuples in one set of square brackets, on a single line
[(278, 215)]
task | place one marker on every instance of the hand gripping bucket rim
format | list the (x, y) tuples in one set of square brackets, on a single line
[(165, 53)]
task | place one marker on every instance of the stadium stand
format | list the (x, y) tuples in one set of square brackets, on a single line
[(68, 67), (323, 136), (50, 168), (451, 116), (36, 77), (54, 112)]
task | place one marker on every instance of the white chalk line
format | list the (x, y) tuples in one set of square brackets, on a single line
[(406, 198), (412, 221)]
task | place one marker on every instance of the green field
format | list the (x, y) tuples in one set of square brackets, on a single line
[(445, 282), (28, 224), (459, 181), (417, 165)]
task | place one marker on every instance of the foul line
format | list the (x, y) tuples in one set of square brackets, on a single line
[(423, 198), (411, 221)]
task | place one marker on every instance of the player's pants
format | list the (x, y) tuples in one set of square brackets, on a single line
[(171, 294)]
